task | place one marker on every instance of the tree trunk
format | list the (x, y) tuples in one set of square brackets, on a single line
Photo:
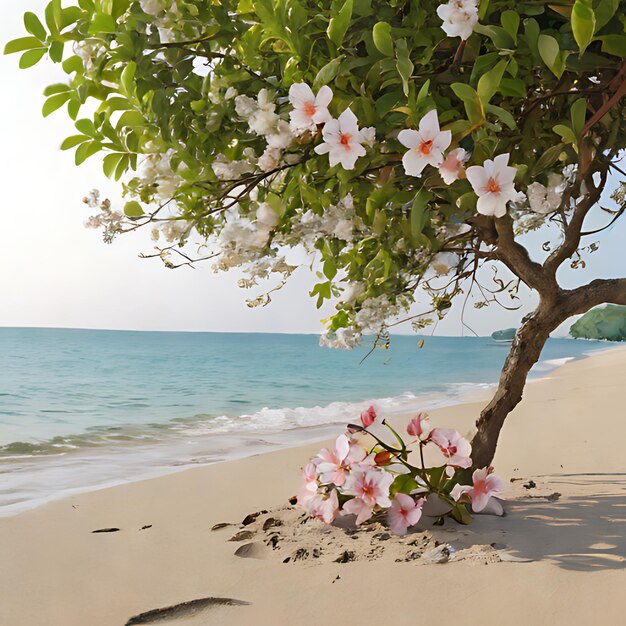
[(525, 351)]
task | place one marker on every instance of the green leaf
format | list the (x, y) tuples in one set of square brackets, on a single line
[(583, 23), (419, 216), (51, 90), (422, 94), (131, 119), (102, 23), (328, 72), (604, 10), (31, 57), (54, 103), (551, 54), (548, 158), (110, 163), (473, 104), (73, 64), (34, 26), (21, 44), (510, 22), (73, 141), (489, 82), (501, 39), (133, 209), (339, 24), (86, 127), (127, 79), (502, 114), (404, 65), (566, 133), (56, 51), (403, 483), (53, 16), (85, 150), (614, 44), (578, 114), (382, 38), (461, 514)]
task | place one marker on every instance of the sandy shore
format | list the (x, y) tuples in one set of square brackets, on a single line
[(554, 559)]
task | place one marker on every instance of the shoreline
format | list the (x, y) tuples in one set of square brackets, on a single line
[(165, 552), (176, 454)]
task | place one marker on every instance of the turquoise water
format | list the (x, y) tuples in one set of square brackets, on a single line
[(81, 398)]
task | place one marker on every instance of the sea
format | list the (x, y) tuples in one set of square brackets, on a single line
[(87, 409)]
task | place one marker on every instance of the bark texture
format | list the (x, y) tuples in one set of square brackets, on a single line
[(556, 305)]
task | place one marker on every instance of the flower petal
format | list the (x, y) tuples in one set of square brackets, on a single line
[(409, 138)]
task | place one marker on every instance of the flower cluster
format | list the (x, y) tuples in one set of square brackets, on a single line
[(352, 479), (492, 181)]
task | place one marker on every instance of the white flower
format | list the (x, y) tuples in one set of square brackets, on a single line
[(231, 93), (544, 200), (174, 230), (426, 145), (245, 106), (352, 292), (443, 262), (374, 312), (459, 17), (166, 188), (493, 184), (451, 168), (269, 160), (166, 35), (342, 339), (230, 170), (282, 138), (266, 216), (342, 141), (263, 121), (309, 110), (152, 7), (369, 136), (344, 230)]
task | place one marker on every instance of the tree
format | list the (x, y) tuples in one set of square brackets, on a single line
[(406, 142)]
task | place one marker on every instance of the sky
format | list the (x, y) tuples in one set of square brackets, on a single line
[(56, 273)]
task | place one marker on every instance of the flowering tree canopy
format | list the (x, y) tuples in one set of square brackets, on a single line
[(405, 142)]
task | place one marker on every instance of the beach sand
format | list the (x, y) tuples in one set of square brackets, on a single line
[(554, 559)]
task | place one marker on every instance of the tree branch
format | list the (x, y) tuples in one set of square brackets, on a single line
[(600, 291), (517, 259), (572, 231)]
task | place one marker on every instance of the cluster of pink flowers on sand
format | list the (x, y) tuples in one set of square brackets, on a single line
[(364, 476)]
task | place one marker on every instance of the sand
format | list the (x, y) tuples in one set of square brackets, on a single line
[(558, 557)]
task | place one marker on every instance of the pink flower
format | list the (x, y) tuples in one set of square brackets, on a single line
[(454, 447), (426, 145), (486, 484), (332, 465), (309, 488), (370, 485), (368, 416), (452, 166), (419, 427), (404, 512), (493, 184), (342, 141), (360, 508), (324, 506), (309, 110)]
